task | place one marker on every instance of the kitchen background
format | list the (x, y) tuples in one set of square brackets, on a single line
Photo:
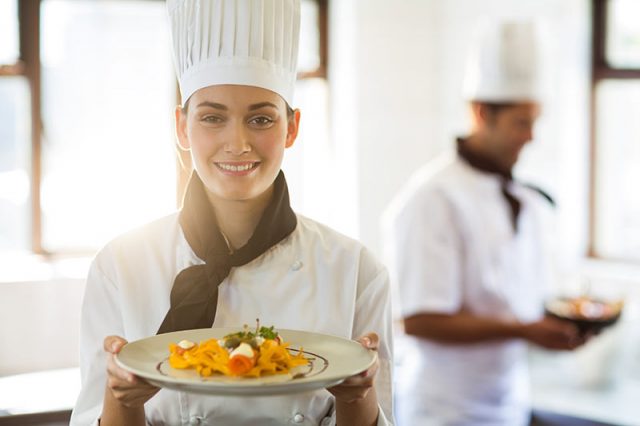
[(380, 94)]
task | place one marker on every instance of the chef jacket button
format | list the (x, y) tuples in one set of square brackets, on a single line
[(195, 420), (326, 421), (297, 265), (298, 418)]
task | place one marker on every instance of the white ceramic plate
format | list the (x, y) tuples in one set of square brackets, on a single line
[(333, 359)]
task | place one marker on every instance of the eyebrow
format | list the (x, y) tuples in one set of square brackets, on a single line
[(222, 107), (212, 105), (262, 105)]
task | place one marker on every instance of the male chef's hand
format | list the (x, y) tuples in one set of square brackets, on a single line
[(552, 333), (129, 389), (357, 387)]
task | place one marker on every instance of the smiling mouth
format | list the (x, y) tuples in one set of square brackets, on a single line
[(237, 167)]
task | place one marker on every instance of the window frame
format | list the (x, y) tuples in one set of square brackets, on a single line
[(601, 71)]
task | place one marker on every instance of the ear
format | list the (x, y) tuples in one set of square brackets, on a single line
[(482, 114), (181, 129), (292, 128)]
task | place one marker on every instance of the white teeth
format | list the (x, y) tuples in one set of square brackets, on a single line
[(233, 168)]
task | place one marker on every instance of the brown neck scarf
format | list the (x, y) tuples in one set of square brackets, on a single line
[(194, 296), (487, 165)]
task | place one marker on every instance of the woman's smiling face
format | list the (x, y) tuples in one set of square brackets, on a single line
[(237, 136)]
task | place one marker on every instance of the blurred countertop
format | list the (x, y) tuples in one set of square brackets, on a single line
[(599, 382)]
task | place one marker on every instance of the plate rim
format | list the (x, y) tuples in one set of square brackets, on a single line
[(253, 388)]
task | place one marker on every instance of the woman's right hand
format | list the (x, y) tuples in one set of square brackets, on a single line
[(127, 388)]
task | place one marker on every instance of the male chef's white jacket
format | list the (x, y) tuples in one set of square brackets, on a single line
[(452, 247), (315, 280)]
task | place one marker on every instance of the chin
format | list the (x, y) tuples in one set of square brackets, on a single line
[(237, 195)]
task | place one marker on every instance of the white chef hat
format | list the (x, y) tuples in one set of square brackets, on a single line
[(245, 42), (505, 65)]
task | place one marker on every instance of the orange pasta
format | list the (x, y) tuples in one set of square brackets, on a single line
[(243, 354)]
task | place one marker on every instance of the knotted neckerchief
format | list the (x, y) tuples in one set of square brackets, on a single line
[(194, 295), (487, 165)]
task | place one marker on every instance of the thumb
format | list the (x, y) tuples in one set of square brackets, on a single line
[(369, 341), (113, 344)]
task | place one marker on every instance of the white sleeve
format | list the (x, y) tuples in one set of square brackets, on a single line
[(425, 255), (100, 317), (373, 314)]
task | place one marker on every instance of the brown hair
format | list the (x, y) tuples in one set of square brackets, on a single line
[(495, 107)]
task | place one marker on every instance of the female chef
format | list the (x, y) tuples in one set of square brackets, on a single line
[(236, 250)]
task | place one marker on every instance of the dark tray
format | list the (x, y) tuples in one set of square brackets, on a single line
[(587, 325)]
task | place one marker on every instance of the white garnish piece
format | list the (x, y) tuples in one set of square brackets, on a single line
[(186, 344), (242, 349)]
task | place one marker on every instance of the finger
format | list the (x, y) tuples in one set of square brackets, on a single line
[(574, 330), (113, 344), (369, 341), (130, 391), (130, 398), (364, 378), (119, 373), (371, 371), (141, 399), (120, 379)]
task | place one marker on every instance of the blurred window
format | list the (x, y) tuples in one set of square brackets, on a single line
[(108, 93), (309, 55), (98, 75), (618, 171), (9, 46), (15, 161), (615, 214), (623, 34), (306, 162)]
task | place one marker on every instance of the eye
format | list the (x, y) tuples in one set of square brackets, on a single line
[(261, 121), (212, 119)]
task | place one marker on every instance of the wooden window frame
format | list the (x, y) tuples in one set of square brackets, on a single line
[(601, 70)]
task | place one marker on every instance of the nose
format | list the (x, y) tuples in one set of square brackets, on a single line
[(527, 135), (238, 141)]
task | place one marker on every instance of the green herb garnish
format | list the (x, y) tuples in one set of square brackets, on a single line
[(268, 333), (245, 336)]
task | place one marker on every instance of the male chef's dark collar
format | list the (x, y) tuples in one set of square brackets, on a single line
[(485, 164), (479, 162)]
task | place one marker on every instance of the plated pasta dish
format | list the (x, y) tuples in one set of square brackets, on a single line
[(242, 354)]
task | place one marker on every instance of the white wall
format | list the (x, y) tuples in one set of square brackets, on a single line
[(396, 71)]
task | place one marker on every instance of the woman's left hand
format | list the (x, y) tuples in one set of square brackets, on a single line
[(357, 387)]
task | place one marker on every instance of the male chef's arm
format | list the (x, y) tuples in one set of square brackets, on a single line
[(464, 328), (427, 258)]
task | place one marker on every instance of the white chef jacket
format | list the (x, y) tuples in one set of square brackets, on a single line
[(452, 247), (315, 279)]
